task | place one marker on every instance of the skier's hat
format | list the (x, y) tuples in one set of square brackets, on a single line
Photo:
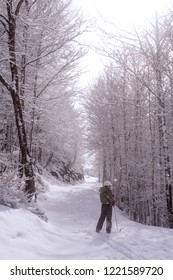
[(107, 184)]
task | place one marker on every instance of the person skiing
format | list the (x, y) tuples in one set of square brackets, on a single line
[(107, 201)]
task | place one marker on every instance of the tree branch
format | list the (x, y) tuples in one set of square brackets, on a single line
[(49, 82), (4, 25), (18, 7), (32, 5), (4, 18), (5, 83)]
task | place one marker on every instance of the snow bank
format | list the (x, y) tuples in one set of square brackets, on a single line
[(72, 213)]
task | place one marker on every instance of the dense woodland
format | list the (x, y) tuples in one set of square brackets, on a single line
[(40, 52), (129, 109)]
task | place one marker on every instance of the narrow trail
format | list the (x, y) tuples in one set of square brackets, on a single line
[(76, 209), (69, 234)]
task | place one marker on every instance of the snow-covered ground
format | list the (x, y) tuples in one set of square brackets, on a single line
[(72, 213)]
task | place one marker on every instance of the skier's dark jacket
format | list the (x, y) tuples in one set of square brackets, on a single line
[(106, 196)]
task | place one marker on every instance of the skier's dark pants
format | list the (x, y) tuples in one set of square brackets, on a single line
[(106, 212)]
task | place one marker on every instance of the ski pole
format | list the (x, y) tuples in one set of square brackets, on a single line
[(116, 219)]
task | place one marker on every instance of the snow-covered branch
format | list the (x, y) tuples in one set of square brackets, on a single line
[(5, 83)]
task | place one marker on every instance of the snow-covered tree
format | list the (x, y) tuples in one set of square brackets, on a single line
[(130, 113), (39, 54)]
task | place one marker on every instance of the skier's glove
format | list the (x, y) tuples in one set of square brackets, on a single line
[(113, 203)]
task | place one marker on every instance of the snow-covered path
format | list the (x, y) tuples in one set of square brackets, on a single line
[(72, 213), (75, 211)]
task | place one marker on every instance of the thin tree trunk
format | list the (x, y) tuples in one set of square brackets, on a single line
[(163, 129)]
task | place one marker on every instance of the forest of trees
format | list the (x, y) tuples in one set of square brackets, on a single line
[(39, 127), (130, 112)]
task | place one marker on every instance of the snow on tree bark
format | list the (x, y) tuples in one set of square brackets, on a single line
[(14, 89)]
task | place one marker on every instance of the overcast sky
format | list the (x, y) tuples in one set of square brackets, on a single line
[(124, 14)]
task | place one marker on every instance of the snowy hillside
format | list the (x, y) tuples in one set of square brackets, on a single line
[(72, 213)]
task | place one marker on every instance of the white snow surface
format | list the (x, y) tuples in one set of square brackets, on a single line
[(69, 234)]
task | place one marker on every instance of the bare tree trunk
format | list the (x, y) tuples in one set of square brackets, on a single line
[(155, 194), (33, 112), (15, 95), (163, 129), (125, 145)]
